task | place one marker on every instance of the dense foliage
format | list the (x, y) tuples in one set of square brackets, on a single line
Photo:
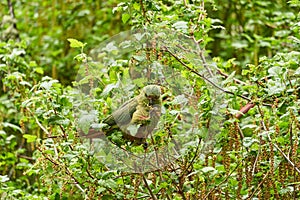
[(255, 48)]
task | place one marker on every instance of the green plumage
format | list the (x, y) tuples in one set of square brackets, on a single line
[(137, 117)]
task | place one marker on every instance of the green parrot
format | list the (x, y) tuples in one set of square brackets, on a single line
[(135, 119)]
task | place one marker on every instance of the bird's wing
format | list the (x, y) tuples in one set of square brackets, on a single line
[(122, 116)]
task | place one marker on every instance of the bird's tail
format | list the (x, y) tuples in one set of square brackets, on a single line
[(93, 133)]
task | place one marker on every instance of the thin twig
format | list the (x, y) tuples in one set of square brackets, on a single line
[(257, 188), (43, 129), (276, 146), (12, 13), (206, 196), (67, 170), (234, 79), (203, 77), (144, 11), (49, 159), (75, 180), (239, 131), (256, 160), (208, 80), (284, 155), (194, 157), (148, 188)]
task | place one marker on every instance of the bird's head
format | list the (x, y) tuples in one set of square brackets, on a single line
[(152, 93)]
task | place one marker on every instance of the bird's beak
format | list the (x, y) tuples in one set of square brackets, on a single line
[(150, 101)]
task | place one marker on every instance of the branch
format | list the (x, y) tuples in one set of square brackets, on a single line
[(144, 12), (256, 160), (235, 79), (208, 80), (283, 154), (76, 181), (203, 77), (148, 188), (67, 170), (276, 146), (206, 196), (43, 129), (12, 15), (244, 110), (11, 12), (194, 157), (250, 197)]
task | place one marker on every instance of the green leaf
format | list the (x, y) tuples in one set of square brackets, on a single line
[(245, 72), (10, 125), (3, 178), (275, 71), (75, 43), (101, 189), (30, 138), (248, 141), (25, 83), (32, 64), (180, 25), (136, 6), (133, 129), (208, 169), (180, 99), (109, 88), (110, 47), (39, 70), (229, 78), (86, 119), (234, 112), (47, 85), (297, 72), (125, 18)]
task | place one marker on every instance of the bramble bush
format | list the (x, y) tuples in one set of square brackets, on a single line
[(255, 46)]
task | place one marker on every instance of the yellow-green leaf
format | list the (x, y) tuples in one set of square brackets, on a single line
[(75, 43), (125, 17), (29, 138)]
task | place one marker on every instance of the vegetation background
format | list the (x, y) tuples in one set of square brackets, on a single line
[(256, 46)]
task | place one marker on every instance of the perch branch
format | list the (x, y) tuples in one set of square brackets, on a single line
[(208, 80)]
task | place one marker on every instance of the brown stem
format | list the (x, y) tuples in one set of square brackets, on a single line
[(12, 14), (205, 78), (227, 177), (258, 187), (275, 145), (235, 79), (148, 188), (202, 76), (244, 110), (144, 11)]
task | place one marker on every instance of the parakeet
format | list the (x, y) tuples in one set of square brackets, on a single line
[(136, 118)]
